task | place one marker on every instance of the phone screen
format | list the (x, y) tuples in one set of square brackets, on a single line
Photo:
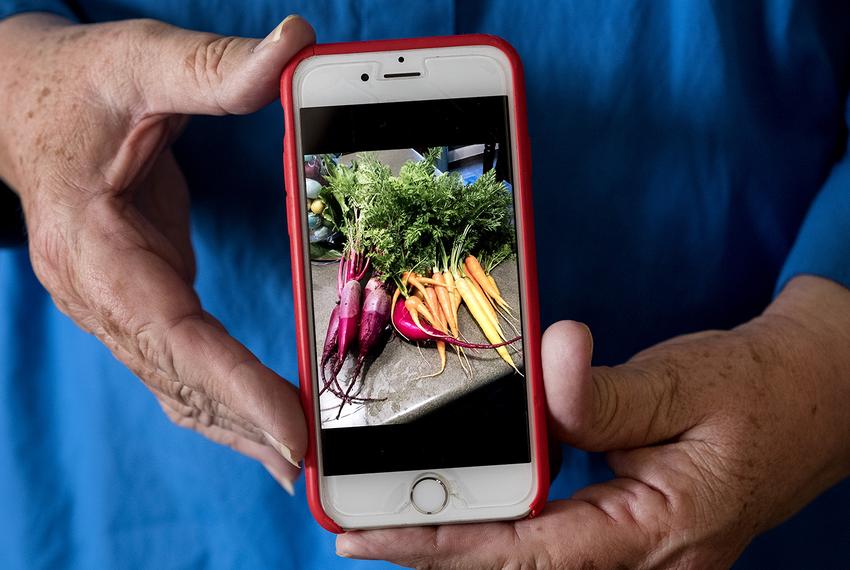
[(414, 282)]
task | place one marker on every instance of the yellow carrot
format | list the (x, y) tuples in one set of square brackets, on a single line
[(474, 270), (464, 286), (493, 284), (486, 303), (441, 350)]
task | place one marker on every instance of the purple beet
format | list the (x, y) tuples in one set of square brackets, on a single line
[(330, 346)]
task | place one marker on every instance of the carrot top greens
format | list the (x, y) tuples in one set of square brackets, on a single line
[(408, 221)]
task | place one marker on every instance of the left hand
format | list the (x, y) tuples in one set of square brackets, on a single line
[(720, 435)]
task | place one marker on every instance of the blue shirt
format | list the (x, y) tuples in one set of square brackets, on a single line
[(689, 158)]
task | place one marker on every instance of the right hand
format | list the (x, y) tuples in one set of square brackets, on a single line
[(89, 114)]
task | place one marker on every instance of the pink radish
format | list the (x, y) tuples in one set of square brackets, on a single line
[(330, 346), (349, 322), (373, 321), (349, 317), (371, 285)]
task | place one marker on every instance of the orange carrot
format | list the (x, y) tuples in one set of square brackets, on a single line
[(450, 285), (395, 299), (413, 279), (416, 307), (396, 294), (432, 281), (434, 307), (444, 298)]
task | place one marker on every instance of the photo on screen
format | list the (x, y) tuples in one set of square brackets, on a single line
[(414, 279), (414, 285)]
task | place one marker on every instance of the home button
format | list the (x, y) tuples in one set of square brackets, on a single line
[(429, 495)]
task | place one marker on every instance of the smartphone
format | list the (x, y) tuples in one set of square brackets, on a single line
[(412, 248)]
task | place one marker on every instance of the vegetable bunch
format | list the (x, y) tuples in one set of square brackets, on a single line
[(423, 234)]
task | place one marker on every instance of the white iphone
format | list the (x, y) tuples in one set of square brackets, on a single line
[(409, 213)]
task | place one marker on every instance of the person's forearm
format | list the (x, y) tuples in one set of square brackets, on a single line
[(23, 88)]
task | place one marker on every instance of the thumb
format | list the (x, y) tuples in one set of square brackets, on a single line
[(188, 72), (601, 408)]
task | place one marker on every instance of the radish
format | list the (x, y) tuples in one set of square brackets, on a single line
[(330, 346), (373, 322), (407, 327), (371, 285), (349, 320)]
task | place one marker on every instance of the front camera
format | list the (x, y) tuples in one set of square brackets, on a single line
[(364, 77)]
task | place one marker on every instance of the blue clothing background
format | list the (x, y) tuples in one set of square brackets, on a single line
[(688, 159)]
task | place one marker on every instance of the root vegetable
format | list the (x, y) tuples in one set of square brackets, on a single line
[(403, 322), (464, 286), (349, 318), (329, 347)]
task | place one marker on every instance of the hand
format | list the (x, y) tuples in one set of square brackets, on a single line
[(89, 114), (721, 435)]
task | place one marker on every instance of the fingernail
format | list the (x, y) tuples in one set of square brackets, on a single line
[(282, 480), (275, 34), (287, 486), (341, 549), (284, 451)]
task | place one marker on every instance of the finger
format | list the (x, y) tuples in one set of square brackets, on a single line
[(147, 307), (568, 534), (281, 470), (602, 408), (190, 72)]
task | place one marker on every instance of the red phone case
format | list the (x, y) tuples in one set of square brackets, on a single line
[(523, 186)]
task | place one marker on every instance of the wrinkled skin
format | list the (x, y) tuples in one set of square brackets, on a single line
[(713, 438), (89, 114)]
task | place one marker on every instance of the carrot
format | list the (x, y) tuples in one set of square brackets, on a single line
[(474, 270), (407, 327), (486, 303), (396, 294), (444, 298), (413, 279), (433, 281), (415, 305), (395, 298), (493, 284), (441, 350), (455, 296), (434, 306), (480, 315)]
